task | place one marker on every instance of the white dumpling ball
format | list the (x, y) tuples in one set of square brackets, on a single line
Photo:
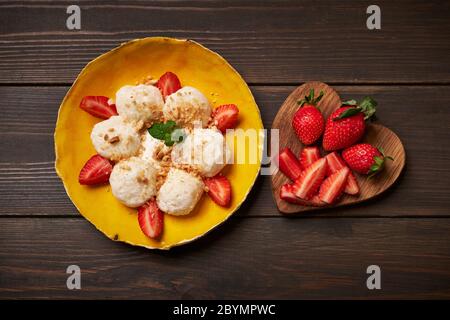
[(187, 107), (140, 103), (115, 139), (133, 181)]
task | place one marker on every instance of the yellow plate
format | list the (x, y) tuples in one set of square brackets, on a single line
[(130, 63)]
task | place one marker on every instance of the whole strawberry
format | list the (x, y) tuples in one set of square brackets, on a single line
[(365, 158), (308, 121), (346, 125)]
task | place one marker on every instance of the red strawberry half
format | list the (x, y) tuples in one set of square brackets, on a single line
[(96, 170), (151, 219), (288, 164), (346, 125), (308, 156), (365, 158), (98, 106), (168, 83), (306, 186), (225, 117), (333, 186), (308, 121), (287, 194), (219, 189), (336, 163)]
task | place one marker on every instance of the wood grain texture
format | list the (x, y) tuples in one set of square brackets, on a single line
[(267, 41), (304, 258), (29, 186), (376, 134)]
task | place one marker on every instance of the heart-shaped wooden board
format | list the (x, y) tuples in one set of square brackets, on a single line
[(376, 134)]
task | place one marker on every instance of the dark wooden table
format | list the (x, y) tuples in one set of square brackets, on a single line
[(275, 45)]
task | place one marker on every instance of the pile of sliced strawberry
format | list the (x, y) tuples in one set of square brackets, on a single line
[(321, 181), (98, 169)]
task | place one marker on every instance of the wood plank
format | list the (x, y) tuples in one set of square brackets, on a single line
[(29, 185), (268, 42), (314, 258)]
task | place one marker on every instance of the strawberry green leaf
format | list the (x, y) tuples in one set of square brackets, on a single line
[(379, 161), (319, 97), (348, 113), (383, 153), (310, 98), (368, 107), (311, 95), (349, 103)]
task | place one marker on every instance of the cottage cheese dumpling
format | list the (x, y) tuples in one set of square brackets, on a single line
[(133, 181), (187, 106), (179, 193), (139, 103), (205, 149), (115, 139)]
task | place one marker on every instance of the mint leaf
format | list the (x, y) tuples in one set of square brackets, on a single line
[(170, 125), (157, 131), (163, 131)]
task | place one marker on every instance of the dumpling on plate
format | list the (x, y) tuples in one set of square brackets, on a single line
[(204, 149), (115, 139), (186, 107), (139, 103), (133, 181), (180, 192)]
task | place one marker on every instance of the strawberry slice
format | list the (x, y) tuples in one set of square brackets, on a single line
[(168, 83), (151, 219), (219, 189), (225, 117), (308, 156), (316, 202), (288, 164), (335, 163), (96, 170), (287, 194), (98, 106), (306, 186), (333, 186)]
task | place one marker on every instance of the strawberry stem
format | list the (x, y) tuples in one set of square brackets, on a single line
[(366, 106), (379, 163), (309, 99)]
